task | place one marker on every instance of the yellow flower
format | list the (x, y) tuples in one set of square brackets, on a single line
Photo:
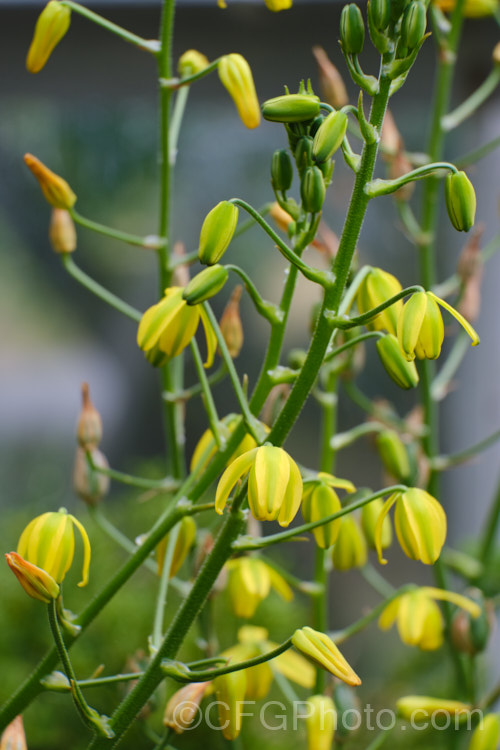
[(56, 190), (350, 550), (420, 523), (472, 9), (421, 328), (206, 448), (230, 691), (369, 517), (250, 582), (186, 536), (419, 619), (396, 365), (48, 542), (419, 708), (277, 5), (274, 484), (486, 734), (236, 76), (167, 328), (192, 62), (321, 722), (53, 23), (322, 651), (36, 582), (377, 287), (319, 500)]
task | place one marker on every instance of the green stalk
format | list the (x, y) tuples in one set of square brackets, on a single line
[(148, 243), (491, 528)]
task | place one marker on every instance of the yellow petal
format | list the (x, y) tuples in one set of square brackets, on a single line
[(210, 337), (450, 596), (156, 319), (234, 471), (380, 523), (86, 552), (279, 584), (463, 322)]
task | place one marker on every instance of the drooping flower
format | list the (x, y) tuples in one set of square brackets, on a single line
[(321, 722), (250, 582), (376, 288), (236, 76), (350, 550), (319, 500), (206, 448), (230, 691), (52, 24), (186, 535)]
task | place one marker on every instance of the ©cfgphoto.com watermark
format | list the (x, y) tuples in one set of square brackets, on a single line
[(275, 716)]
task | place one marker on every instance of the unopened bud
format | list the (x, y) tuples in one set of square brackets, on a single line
[(280, 217), (35, 581), (230, 690), (182, 708), (419, 708), (89, 429), (291, 108), (90, 485), (321, 721), (413, 25), (352, 29), (281, 171), (394, 455), (192, 62), (331, 82), (380, 13), (403, 372), (217, 232), (460, 199), (486, 734), (62, 232), (236, 76), (350, 549), (13, 737), (303, 153), (312, 190), (53, 23), (329, 136), (205, 285), (56, 190), (230, 323)]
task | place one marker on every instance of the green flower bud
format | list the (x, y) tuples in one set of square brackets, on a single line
[(312, 190), (291, 108), (281, 170), (397, 8), (394, 455), (217, 232), (352, 29), (403, 372), (329, 136), (380, 13), (313, 129), (486, 734), (413, 25), (205, 284), (460, 201), (303, 153)]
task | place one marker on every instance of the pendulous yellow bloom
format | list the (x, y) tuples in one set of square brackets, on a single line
[(321, 722), (369, 517), (206, 448), (48, 541), (420, 523), (250, 582), (36, 582), (186, 536), (319, 500), (350, 549), (274, 484), (236, 76), (230, 691), (399, 369), (418, 617), (421, 328), (419, 708), (322, 651), (192, 62), (167, 328), (487, 734), (377, 287), (53, 23), (57, 192), (472, 9)]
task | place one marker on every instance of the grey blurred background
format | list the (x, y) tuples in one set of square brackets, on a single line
[(91, 115)]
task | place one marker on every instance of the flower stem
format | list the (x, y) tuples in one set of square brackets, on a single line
[(148, 243)]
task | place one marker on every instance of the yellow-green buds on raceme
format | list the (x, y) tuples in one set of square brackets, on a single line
[(487, 734), (185, 538), (321, 721), (420, 708), (322, 651), (350, 549), (53, 23), (413, 24), (192, 62), (277, 5), (329, 136), (206, 447), (312, 190), (89, 428), (320, 500), (369, 517), (230, 691), (48, 541), (35, 581), (376, 288), (62, 232), (167, 328), (352, 29), (217, 232), (420, 524), (291, 108), (394, 455), (182, 708), (56, 190), (274, 484), (460, 199), (419, 619), (281, 171), (205, 285), (230, 324), (421, 328), (13, 736), (236, 76), (403, 372), (250, 582), (88, 484)]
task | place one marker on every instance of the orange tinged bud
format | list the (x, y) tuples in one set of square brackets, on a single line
[(89, 430), (56, 190), (62, 232), (230, 323), (35, 581)]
